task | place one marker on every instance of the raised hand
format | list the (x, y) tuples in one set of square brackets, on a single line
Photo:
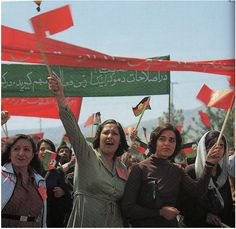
[(4, 117), (215, 154), (57, 89)]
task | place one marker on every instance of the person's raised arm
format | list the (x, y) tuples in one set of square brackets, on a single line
[(58, 91)]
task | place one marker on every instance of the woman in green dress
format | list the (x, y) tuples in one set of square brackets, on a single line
[(100, 176)]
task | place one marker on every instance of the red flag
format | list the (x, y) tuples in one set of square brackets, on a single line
[(205, 119), (179, 128), (39, 107), (65, 139), (38, 135), (231, 80), (20, 46), (216, 98), (143, 105), (89, 121), (53, 21), (139, 146)]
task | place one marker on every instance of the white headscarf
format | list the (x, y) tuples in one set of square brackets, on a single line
[(200, 164)]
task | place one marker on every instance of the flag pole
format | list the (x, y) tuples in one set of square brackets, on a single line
[(45, 59), (142, 113), (225, 121)]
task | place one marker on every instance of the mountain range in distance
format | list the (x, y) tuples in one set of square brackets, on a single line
[(55, 134)]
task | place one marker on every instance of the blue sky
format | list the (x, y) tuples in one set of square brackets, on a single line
[(185, 30)]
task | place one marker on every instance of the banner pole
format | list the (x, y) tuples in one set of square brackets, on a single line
[(225, 121)]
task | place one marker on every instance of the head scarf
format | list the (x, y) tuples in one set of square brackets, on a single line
[(200, 164)]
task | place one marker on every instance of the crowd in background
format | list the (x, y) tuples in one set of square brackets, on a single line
[(105, 185)]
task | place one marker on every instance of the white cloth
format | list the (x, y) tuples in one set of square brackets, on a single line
[(231, 169), (8, 186), (200, 164)]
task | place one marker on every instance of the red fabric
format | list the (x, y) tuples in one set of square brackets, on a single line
[(39, 135), (179, 128), (53, 21), (89, 121), (216, 98), (21, 46), (39, 107), (204, 118)]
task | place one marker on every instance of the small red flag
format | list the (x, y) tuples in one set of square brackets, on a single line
[(179, 128), (89, 121), (205, 119), (231, 80), (139, 146), (53, 21), (216, 98), (143, 105)]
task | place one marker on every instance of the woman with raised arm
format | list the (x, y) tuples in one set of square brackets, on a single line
[(100, 176)]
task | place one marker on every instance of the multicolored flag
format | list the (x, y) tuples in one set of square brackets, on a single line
[(216, 98), (142, 106), (189, 150), (49, 160), (138, 146), (53, 21), (38, 4), (97, 119), (205, 119), (89, 121), (65, 140)]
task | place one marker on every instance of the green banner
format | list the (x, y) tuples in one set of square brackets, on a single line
[(27, 80)]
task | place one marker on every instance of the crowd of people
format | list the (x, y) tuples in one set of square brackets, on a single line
[(104, 185)]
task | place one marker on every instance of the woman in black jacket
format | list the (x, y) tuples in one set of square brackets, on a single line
[(215, 208)]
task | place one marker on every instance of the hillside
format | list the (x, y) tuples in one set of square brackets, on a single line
[(55, 134)]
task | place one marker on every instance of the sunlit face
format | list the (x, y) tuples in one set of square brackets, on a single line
[(109, 139), (42, 149), (21, 153), (165, 145)]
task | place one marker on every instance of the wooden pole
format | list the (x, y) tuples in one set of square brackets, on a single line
[(225, 121)]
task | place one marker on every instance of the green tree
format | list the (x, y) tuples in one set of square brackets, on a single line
[(176, 117), (217, 117)]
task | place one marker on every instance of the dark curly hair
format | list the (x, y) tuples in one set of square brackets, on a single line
[(11, 141), (157, 133), (212, 137), (123, 147)]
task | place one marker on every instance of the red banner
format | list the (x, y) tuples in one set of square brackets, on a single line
[(20, 46), (39, 107)]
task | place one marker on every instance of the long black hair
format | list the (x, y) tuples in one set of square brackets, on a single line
[(123, 146), (11, 141), (157, 133)]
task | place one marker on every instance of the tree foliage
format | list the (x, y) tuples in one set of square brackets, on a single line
[(217, 117), (195, 131)]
